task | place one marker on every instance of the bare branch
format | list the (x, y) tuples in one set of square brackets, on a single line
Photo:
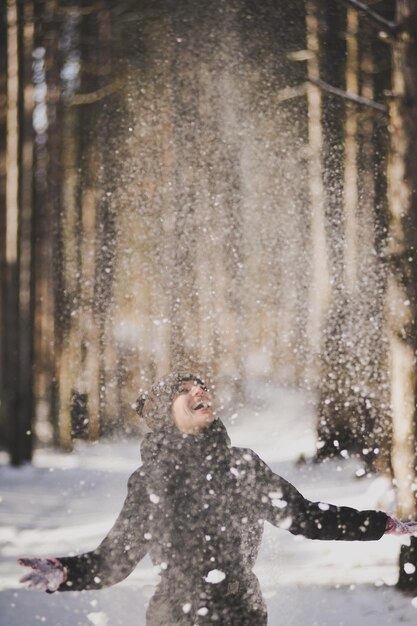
[(287, 93), (95, 96), (78, 11), (391, 27), (349, 96)]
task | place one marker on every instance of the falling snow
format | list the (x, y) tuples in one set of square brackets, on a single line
[(215, 576)]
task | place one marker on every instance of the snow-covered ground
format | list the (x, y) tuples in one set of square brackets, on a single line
[(66, 503)]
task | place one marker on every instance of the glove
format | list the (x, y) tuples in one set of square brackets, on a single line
[(395, 527), (46, 575)]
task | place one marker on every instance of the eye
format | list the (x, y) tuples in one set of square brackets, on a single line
[(200, 384)]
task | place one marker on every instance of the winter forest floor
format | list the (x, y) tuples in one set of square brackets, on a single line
[(66, 503)]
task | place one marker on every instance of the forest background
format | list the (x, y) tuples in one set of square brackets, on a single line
[(227, 183)]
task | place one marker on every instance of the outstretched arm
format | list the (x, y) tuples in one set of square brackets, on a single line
[(112, 561), (281, 504)]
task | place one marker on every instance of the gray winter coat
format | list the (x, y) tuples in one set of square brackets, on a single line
[(198, 506)]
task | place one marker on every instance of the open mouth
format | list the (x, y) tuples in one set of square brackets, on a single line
[(201, 405)]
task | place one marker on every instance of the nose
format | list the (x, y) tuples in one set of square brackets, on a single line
[(196, 390)]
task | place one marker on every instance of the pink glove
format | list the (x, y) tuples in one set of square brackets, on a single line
[(395, 527), (46, 575)]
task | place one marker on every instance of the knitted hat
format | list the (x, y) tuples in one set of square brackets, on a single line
[(154, 405)]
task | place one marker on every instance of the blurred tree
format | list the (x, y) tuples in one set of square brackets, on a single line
[(65, 135), (350, 186), (17, 268), (3, 183), (45, 73), (320, 283), (402, 277), (372, 380), (352, 403)]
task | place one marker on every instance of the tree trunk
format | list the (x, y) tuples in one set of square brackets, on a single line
[(47, 199), (12, 223), (320, 283), (26, 228), (402, 280), (351, 386), (372, 379), (64, 196), (351, 157), (332, 426), (43, 260), (3, 190), (18, 250)]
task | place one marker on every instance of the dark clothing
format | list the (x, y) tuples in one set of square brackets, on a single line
[(198, 507)]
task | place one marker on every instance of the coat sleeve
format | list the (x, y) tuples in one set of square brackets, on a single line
[(281, 504), (119, 552)]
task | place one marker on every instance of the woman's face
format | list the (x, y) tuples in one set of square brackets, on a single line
[(192, 407)]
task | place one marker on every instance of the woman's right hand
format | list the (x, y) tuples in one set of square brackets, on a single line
[(46, 574)]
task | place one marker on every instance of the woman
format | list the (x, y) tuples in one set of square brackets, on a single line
[(198, 505)]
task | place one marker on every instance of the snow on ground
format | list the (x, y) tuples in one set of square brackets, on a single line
[(66, 503)]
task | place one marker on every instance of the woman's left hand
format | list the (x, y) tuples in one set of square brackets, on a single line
[(396, 527)]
